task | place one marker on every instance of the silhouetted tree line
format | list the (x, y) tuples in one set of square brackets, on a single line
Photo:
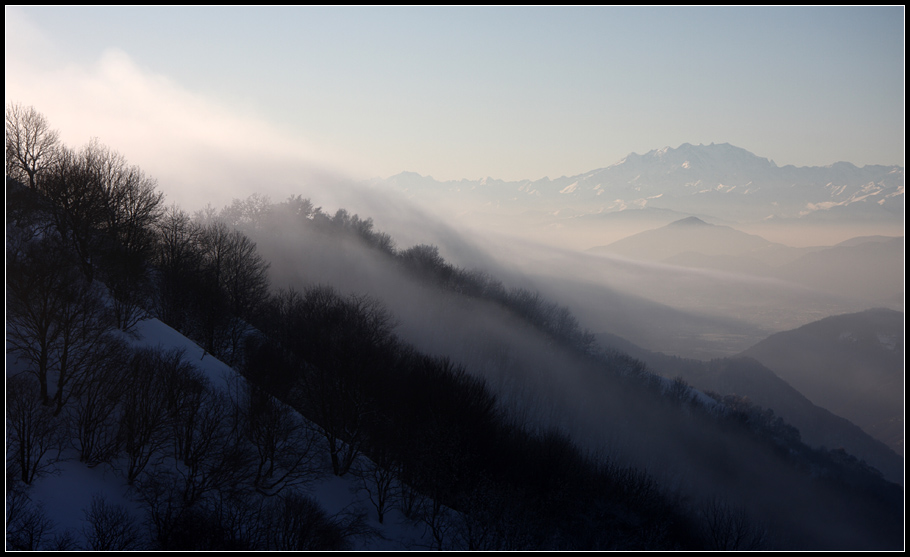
[(257, 213), (327, 379), (199, 460), (437, 446), (90, 250)]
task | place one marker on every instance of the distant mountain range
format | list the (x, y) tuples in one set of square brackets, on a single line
[(718, 179)]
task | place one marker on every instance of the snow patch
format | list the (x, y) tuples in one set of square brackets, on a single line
[(570, 188), (153, 333), (889, 342), (618, 204)]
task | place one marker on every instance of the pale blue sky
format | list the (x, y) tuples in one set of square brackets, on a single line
[(470, 92)]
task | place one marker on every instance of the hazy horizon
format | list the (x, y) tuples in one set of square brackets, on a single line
[(606, 359), (219, 103)]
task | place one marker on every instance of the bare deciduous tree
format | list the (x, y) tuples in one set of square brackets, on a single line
[(214, 459), (340, 410), (377, 476), (177, 260), (77, 204), (29, 530), (145, 421), (57, 319), (94, 414), (729, 528), (85, 343), (31, 144), (38, 278), (131, 209), (439, 520), (297, 523), (109, 527), (284, 443), (132, 206), (234, 284), (35, 435)]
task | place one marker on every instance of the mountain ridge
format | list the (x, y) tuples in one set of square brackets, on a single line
[(716, 178), (861, 357), (747, 377)]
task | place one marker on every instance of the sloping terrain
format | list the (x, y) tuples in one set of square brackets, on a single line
[(496, 417), (745, 377), (850, 364)]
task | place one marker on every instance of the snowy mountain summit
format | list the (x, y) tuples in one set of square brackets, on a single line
[(718, 178)]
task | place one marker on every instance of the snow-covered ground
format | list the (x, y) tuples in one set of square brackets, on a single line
[(67, 494)]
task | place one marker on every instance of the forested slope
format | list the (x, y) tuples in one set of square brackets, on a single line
[(481, 411)]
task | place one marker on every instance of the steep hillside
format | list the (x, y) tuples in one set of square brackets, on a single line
[(850, 364), (442, 313), (79, 499), (870, 270), (497, 419), (745, 377)]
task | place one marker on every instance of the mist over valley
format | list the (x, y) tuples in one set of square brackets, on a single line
[(311, 297), (397, 278)]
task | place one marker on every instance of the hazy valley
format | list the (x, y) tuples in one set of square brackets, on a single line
[(480, 366)]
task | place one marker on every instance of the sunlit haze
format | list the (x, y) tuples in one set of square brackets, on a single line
[(202, 95), (455, 278)]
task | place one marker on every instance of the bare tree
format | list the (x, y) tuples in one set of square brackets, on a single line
[(212, 319), (161, 498), (29, 529), (38, 279), (177, 260), (77, 203), (109, 527), (439, 520), (377, 478), (27, 212), (85, 343), (35, 436), (131, 209), (284, 443), (144, 421), (94, 414), (297, 523), (246, 282), (132, 206), (729, 528), (130, 290), (252, 213), (679, 390), (57, 319), (339, 409), (214, 459), (406, 497), (234, 285), (31, 144), (481, 524)]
